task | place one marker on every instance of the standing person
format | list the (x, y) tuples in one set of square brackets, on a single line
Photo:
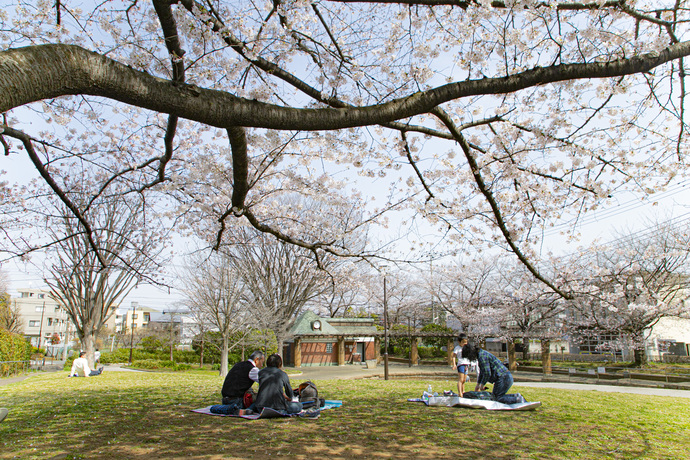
[(80, 367), (274, 388), (241, 378), (491, 370), (461, 364), (97, 357)]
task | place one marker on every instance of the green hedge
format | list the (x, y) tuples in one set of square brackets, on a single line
[(13, 347)]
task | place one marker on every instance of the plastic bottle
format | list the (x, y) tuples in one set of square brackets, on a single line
[(428, 390)]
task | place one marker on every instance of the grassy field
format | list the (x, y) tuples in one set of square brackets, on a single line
[(147, 415)]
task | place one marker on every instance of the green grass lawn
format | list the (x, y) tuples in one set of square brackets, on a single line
[(147, 415)]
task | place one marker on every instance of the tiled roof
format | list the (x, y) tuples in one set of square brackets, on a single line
[(341, 326)]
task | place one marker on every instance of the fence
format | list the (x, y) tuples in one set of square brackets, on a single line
[(593, 358), (12, 368)]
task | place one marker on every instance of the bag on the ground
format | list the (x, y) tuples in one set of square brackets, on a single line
[(484, 395), (307, 392), (249, 398)]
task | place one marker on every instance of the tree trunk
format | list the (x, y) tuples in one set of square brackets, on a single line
[(640, 356), (88, 341), (224, 357), (512, 363), (201, 351), (546, 356), (525, 348), (280, 338)]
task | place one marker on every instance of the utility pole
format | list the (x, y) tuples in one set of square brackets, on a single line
[(40, 330), (385, 326), (131, 340)]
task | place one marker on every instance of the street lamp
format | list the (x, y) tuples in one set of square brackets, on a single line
[(384, 269), (131, 337)]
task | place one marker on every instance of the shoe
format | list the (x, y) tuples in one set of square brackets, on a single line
[(3, 413)]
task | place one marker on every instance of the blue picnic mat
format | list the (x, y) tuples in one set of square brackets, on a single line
[(267, 412)]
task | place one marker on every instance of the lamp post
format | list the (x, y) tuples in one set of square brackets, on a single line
[(385, 325), (131, 337)]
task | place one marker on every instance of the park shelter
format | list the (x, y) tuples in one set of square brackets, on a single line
[(318, 341), (321, 341)]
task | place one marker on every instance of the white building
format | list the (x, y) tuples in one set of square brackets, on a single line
[(671, 335), (42, 316)]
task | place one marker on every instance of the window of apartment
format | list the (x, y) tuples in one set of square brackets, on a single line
[(41, 296), (134, 326), (329, 348), (34, 323), (39, 309), (50, 321), (135, 316), (147, 317)]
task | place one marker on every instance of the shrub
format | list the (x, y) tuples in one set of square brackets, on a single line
[(13, 347), (151, 344)]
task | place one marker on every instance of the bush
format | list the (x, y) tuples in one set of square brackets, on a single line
[(185, 356), (13, 347), (121, 355), (160, 364), (151, 344)]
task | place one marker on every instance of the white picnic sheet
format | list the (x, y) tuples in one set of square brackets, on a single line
[(456, 401)]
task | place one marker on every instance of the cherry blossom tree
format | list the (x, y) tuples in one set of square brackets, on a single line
[(470, 292), (529, 310), (10, 316), (215, 295), (623, 289), (278, 279), (491, 121), (90, 283)]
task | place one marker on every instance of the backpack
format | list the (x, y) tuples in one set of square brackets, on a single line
[(307, 392), (249, 398)]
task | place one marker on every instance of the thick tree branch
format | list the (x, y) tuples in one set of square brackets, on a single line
[(496, 211), (41, 72)]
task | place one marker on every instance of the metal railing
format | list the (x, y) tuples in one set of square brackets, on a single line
[(12, 368)]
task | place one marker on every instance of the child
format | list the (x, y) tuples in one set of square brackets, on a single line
[(461, 364)]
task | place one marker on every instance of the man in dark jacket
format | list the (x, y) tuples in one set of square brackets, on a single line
[(274, 388), (241, 378)]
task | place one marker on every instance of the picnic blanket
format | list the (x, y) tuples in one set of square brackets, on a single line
[(457, 401), (267, 412)]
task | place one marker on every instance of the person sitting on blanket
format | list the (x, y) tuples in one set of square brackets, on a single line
[(491, 370), (241, 378), (80, 367), (274, 388)]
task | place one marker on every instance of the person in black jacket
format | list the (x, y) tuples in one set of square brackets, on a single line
[(274, 388), (241, 378)]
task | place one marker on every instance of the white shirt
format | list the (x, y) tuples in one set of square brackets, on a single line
[(457, 351), (254, 373), (96, 355), (80, 367)]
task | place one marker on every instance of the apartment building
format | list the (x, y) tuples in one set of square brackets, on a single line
[(42, 316)]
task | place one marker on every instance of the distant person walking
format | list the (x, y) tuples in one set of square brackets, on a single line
[(491, 370)]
